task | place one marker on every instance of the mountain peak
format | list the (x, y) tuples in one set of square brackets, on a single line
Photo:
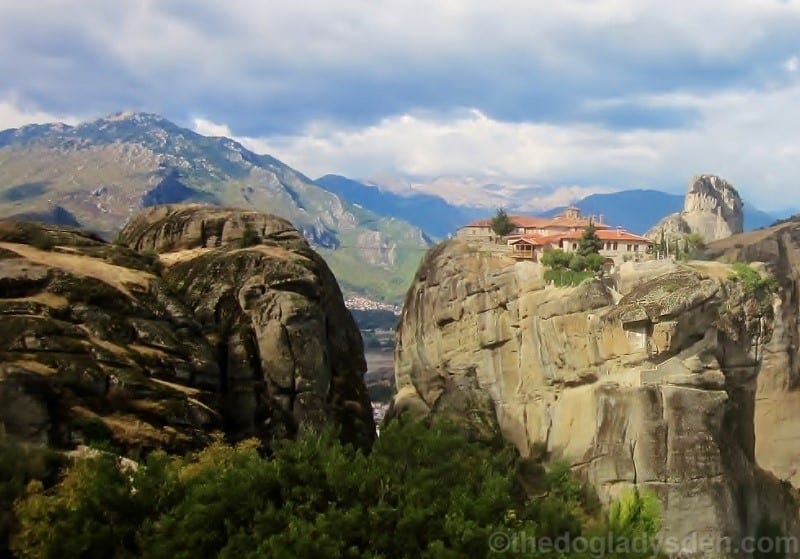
[(133, 116), (131, 119)]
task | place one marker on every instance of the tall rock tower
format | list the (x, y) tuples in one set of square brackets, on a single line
[(713, 210)]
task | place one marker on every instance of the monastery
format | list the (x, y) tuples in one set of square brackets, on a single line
[(535, 235)]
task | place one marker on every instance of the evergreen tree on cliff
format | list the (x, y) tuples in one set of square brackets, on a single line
[(590, 243), (501, 224)]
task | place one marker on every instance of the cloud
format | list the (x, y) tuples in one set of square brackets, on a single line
[(14, 116), (275, 67), (746, 136), (591, 93)]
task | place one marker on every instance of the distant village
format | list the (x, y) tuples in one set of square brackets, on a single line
[(531, 237)]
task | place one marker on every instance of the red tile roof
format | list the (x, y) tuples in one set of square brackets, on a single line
[(621, 235), (603, 235), (517, 220), (561, 221), (532, 222)]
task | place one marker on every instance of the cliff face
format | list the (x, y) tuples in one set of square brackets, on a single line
[(778, 385), (649, 378), (157, 351), (713, 210)]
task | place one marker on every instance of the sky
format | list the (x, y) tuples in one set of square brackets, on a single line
[(556, 99)]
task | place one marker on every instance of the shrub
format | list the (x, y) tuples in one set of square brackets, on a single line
[(423, 491), (565, 277), (556, 258), (595, 261), (752, 281), (95, 432), (41, 240), (19, 465), (577, 263), (636, 515), (250, 236)]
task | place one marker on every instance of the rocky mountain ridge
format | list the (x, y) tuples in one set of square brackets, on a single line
[(101, 172), (635, 210), (669, 376), (712, 209), (236, 325)]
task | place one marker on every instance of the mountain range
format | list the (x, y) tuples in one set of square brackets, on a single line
[(98, 173), (433, 214), (635, 210)]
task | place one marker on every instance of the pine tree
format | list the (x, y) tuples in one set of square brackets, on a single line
[(501, 224), (590, 243)]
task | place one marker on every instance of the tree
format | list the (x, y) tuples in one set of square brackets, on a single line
[(595, 261), (577, 263), (636, 518), (422, 491), (694, 243), (556, 258), (20, 465), (590, 243), (250, 236), (662, 244), (501, 224)]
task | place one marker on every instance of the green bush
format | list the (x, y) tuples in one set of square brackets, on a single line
[(250, 236), (41, 240), (423, 491), (19, 465), (636, 515), (752, 281), (566, 277), (95, 431), (595, 261), (556, 258), (577, 263)]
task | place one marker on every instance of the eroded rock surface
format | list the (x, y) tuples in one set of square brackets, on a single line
[(712, 210), (159, 351), (777, 405), (647, 378)]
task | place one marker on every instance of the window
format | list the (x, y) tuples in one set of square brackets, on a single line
[(616, 246), (635, 248), (574, 246)]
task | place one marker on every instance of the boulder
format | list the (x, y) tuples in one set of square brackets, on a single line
[(146, 351)]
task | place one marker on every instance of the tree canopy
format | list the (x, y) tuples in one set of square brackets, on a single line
[(423, 491), (589, 243), (501, 223)]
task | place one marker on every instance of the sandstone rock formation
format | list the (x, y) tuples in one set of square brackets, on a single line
[(777, 405), (648, 378), (713, 210), (157, 352)]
